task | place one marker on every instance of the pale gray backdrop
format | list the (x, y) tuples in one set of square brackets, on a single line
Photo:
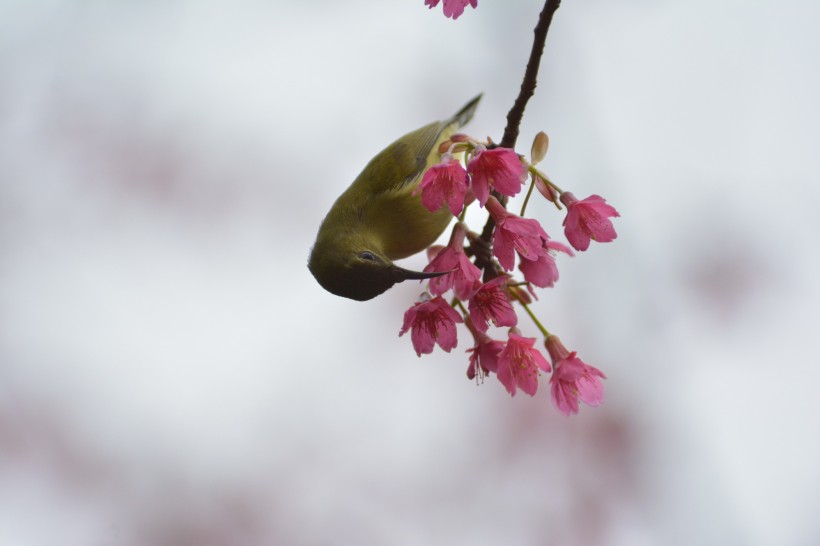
[(171, 374)]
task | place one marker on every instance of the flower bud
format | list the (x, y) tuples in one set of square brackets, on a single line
[(444, 147), (540, 145), (545, 188)]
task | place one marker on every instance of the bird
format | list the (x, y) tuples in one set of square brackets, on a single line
[(380, 217)]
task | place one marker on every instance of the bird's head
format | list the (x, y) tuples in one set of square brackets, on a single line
[(359, 273)]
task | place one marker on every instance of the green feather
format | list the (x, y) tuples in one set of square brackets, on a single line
[(379, 214)]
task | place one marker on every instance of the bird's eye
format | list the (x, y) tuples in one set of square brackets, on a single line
[(368, 256)]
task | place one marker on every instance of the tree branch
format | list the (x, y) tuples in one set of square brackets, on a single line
[(530, 75), (517, 113)]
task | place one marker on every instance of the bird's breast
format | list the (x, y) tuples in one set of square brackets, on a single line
[(403, 225)]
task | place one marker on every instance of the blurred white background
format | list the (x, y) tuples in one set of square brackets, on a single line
[(171, 374)]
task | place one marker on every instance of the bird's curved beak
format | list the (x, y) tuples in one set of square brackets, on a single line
[(400, 274)]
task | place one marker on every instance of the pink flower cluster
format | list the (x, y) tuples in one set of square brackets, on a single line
[(491, 173), (516, 362), (448, 182), (452, 8)]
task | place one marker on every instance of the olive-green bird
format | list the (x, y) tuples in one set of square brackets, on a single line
[(378, 219)]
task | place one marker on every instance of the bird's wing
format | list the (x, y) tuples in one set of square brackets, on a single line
[(406, 159)]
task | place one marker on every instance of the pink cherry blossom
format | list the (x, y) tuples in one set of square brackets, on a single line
[(588, 219), (491, 303), (432, 250), (464, 276), (484, 356), (432, 321), (500, 168), (452, 8), (518, 364), (446, 181), (543, 272), (515, 234), (573, 379)]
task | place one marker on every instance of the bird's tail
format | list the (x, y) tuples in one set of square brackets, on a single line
[(466, 113)]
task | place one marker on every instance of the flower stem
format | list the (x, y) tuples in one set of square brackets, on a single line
[(545, 178), (457, 303), (537, 322), (467, 320), (527, 198)]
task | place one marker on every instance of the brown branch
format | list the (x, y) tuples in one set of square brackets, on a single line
[(517, 113), (530, 75)]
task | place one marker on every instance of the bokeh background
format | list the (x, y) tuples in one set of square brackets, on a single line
[(170, 373)]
